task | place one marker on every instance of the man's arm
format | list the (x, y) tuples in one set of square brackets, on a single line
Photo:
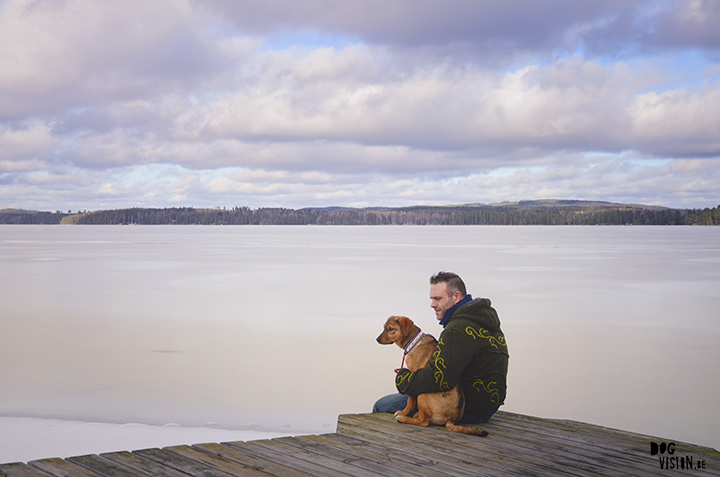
[(451, 357)]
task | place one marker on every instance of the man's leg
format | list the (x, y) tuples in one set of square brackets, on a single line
[(391, 403)]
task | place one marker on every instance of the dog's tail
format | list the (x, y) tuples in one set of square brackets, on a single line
[(473, 431)]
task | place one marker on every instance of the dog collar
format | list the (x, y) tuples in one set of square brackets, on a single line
[(409, 347)]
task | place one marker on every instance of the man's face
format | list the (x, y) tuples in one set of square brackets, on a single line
[(441, 300)]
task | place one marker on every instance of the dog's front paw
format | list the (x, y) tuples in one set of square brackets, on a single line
[(403, 419)]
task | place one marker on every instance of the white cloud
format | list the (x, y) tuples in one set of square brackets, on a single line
[(126, 102), (23, 146), (681, 123), (58, 55)]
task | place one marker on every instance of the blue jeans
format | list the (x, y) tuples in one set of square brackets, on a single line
[(397, 402), (392, 403)]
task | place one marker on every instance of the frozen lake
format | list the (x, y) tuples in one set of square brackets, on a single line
[(272, 328)]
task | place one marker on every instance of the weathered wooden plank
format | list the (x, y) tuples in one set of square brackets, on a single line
[(379, 463), (333, 462), (142, 465), (558, 445), (614, 439), (611, 439), (481, 463), (317, 467), (225, 465), (177, 462), (267, 466), (102, 466), (469, 446), (598, 435), (411, 456), (564, 442), (611, 447), (608, 454), (442, 446), (443, 459), (61, 468), (566, 453), (19, 469)]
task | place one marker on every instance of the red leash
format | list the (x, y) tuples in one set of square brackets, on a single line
[(402, 365)]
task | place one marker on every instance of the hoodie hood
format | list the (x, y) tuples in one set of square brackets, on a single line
[(479, 311)]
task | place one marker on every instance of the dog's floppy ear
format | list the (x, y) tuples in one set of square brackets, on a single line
[(405, 324)]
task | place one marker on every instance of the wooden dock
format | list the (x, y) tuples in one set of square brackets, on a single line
[(375, 445)]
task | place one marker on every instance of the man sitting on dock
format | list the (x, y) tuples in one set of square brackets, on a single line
[(471, 350)]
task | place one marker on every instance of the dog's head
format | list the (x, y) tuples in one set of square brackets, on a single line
[(394, 329)]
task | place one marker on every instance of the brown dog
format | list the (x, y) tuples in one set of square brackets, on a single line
[(443, 408)]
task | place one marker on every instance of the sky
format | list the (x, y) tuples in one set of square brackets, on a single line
[(311, 103)]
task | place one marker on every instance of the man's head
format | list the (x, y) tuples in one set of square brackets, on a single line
[(446, 290)]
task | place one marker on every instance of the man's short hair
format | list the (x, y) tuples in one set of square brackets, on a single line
[(452, 280)]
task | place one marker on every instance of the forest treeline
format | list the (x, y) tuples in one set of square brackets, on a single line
[(521, 213)]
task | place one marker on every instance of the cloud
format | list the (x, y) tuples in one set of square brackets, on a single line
[(496, 28), (428, 120), (362, 102), (22, 146), (500, 33), (684, 24), (77, 53), (678, 123)]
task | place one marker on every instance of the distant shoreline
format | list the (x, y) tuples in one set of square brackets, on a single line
[(543, 212)]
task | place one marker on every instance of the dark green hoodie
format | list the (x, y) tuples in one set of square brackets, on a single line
[(470, 351)]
